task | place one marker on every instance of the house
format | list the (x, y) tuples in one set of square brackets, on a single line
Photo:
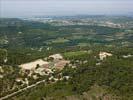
[(19, 80), (1, 76), (60, 64), (43, 71), (32, 65), (56, 56), (127, 56), (103, 55), (1, 70)]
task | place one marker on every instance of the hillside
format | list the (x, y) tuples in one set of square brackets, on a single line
[(66, 58)]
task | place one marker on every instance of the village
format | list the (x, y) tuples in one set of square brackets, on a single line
[(43, 67), (47, 67)]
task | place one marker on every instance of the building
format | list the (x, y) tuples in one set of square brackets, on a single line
[(60, 64), (56, 56), (103, 55)]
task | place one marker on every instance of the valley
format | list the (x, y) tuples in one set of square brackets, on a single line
[(66, 58)]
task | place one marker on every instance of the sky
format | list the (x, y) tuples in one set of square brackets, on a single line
[(29, 8)]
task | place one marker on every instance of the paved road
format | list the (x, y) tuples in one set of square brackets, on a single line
[(14, 93)]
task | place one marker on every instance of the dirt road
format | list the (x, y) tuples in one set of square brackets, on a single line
[(14, 93)]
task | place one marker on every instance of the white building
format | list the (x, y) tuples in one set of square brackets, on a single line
[(103, 55), (56, 56)]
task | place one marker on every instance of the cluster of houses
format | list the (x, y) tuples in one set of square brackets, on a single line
[(49, 66), (103, 56), (52, 62), (41, 67)]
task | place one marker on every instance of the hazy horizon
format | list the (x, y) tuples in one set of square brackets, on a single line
[(29, 8)]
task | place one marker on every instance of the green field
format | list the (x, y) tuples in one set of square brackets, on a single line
[(76, 53)]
